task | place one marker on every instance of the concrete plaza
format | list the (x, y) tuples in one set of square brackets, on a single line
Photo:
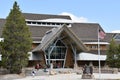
[(72, 76)]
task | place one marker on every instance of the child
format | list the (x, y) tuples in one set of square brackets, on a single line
[(33, 73)]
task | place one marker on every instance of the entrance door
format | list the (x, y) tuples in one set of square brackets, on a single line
[(57, 63)]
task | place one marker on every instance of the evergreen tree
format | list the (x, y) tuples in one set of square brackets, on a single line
[(17, 41), (118, 57), (112, 54)]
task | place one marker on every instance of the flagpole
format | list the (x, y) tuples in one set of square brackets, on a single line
[(99, 55)]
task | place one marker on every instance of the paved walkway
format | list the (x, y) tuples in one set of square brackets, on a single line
[(72, 76), (41, 75)]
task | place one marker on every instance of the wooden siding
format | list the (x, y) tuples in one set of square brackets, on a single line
[(69, 59), (95, 47)]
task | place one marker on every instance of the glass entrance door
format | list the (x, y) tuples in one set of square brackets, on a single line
[(57, 63)]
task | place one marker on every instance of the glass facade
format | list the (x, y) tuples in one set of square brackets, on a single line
[(56, 52)]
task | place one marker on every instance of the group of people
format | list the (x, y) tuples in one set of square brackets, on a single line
[(37, 67), (86, 69)]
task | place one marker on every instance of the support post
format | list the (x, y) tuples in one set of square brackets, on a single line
[(75, 60)]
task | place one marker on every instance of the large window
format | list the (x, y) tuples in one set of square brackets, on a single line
[(56, 51)]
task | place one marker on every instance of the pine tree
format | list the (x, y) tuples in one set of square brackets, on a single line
[(17, 41), (118, 57), (112, 54)]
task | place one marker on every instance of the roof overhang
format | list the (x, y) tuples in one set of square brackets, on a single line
[(34, 56), (90, 57), (102, 43), (54, 20)]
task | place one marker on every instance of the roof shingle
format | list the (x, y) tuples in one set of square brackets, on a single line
[(86, 31)]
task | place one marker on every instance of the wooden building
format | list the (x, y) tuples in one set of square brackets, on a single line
[(58, 40)]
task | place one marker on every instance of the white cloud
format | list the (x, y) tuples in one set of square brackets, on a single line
[(75, 18), (116, 31)]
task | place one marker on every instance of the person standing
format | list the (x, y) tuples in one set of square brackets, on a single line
[(91, 70), (37, 66)]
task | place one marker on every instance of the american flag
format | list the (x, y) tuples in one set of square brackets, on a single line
[(101, 34)]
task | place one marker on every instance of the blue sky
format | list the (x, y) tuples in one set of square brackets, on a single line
[(104, 12)]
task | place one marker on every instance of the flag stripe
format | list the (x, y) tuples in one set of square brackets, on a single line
[(101, 34)]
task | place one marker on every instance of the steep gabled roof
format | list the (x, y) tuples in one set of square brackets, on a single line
[(32, 16), (52, 34)]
